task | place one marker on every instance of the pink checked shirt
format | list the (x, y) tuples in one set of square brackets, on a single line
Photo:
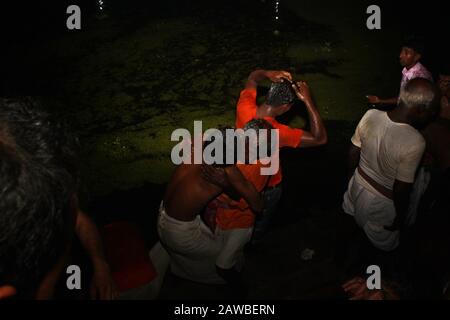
[(418, 71)]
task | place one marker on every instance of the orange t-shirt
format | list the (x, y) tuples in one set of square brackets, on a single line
[(232, 214), (246, 111)]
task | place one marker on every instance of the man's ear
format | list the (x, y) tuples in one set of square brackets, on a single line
[(7, 291)]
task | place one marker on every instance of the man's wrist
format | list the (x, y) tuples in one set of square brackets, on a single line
[(309, 103), (265, 74)]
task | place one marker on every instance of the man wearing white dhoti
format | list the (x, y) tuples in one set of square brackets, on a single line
[(385, 153)]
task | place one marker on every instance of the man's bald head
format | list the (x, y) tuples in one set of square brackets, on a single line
[(419, 93), (420, 99)]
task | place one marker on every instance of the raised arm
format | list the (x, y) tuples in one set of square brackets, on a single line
[(377, 100), (318, 134), (259, 75)]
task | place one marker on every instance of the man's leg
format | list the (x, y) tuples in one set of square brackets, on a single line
[(271, 198), (229, 263), (351, 239), (348, 245)]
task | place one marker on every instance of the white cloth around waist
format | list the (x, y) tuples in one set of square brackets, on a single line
[(192, 247), (372, 212)]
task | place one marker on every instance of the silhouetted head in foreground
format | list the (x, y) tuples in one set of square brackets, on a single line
[(38, 177)]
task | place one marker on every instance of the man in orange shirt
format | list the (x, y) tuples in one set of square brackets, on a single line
[(279, 100), (234, 217), (193, 248)]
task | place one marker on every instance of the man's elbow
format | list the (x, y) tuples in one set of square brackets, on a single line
[(253, 75), (322, 140)]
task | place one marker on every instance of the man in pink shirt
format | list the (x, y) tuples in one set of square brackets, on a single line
[(410, 56)]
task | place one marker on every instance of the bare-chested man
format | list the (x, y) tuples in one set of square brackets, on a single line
[(191, 244)]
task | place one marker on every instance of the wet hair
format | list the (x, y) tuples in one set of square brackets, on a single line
[(38, 177), (415, 42), (255, 124), (420, 93), (280, 93)]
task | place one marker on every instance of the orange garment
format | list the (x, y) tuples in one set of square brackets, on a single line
[(237, 214), (246, 111), (127, 255)]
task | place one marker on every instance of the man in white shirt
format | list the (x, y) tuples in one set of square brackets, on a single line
[(410, 55), (386, 150)]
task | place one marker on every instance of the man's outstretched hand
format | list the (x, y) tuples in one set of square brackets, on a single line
[(373, 99)]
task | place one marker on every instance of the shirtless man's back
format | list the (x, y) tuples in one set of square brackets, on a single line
[(192, 246), (188, 193)]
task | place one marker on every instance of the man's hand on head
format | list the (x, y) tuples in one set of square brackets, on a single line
[(302, 91), (278, 76), (259, 75)]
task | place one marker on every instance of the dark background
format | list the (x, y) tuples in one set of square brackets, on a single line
[(314, 180), (25, 23)]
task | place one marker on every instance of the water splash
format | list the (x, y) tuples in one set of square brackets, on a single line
[(101, 5), (277, 17), (102, 9), (277, 9)]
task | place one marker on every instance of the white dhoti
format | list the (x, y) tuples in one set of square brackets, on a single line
[(372, 211), (192, 247), (232, 242)]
